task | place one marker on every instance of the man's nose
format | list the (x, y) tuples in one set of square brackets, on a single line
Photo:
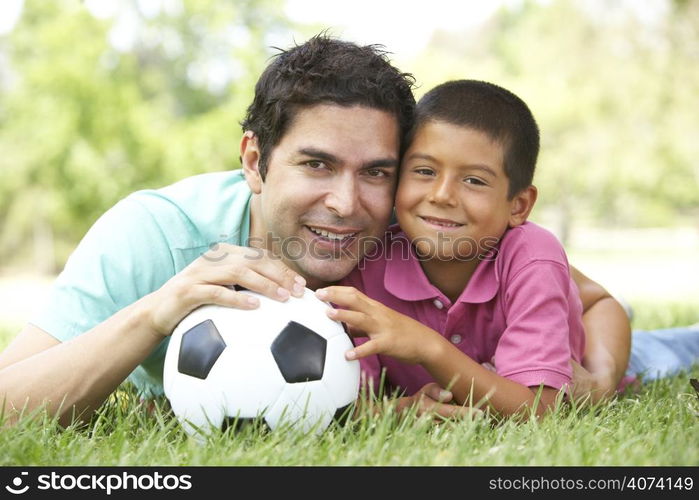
[(342, 199)]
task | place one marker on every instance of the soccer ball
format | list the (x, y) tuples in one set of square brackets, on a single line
[(283, 361)]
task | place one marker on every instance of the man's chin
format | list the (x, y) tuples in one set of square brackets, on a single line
[(319, 273)]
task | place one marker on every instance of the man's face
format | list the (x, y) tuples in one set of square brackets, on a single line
[(329, 186)]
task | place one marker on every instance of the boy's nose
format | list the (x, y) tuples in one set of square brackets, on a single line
[(443, 192)]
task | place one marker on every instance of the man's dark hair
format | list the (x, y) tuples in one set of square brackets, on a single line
[(496, 112), (325, 70)]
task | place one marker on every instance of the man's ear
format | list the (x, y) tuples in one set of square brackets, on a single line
[(521, 205), (250, 159)]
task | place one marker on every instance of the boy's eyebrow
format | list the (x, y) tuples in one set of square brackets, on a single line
[(484, 168), (478, 166), (331, 158)]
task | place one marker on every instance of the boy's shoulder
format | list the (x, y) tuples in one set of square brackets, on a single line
[(530, 242)]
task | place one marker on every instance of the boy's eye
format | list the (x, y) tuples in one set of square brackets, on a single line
[(423, 171), (475, 181)]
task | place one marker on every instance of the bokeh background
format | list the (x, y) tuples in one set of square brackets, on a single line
[(99, 98)]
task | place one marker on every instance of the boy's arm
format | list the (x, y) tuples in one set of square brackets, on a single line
[(607, 340), (394, 334)]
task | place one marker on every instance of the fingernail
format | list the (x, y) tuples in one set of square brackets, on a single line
[(253, 301), (298, 289), (322, 293), (300, 280), (444, 395), (350, 355), (332, 312), (282, 293)]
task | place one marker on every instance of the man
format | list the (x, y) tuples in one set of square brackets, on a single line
[(320, 153)]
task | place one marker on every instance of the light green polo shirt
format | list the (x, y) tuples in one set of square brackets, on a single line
[(138, 245)]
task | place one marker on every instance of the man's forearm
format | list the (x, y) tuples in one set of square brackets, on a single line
[(75, 377), (608, 341)]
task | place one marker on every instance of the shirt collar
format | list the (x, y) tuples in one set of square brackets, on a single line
[(405, 279)]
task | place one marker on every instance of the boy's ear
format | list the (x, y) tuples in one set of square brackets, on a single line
[(521, 205), (250, 159)]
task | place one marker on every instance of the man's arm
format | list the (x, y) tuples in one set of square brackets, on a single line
[(74, 377), (607, 340)]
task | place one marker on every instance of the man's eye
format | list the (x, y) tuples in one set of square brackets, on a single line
[(315, 164), (377, 172), (475, 181)]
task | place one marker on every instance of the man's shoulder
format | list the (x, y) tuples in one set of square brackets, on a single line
[(208, 205), (195, 191)]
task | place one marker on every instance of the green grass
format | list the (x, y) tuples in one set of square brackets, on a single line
[(659, 425)]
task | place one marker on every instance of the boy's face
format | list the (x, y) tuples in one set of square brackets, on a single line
[(334, 171), (452, 193)]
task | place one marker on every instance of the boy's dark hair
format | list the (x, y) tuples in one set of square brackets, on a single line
[(493, 110), (325, 70)]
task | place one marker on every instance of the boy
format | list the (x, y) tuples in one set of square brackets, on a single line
[(478, 282)]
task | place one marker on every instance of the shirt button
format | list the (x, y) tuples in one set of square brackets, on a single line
[(438, 304), (455, 339)]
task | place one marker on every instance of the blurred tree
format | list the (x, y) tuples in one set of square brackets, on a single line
[(616, 97), (92, 108)]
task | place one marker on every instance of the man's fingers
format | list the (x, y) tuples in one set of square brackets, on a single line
[(281, 274), (235, 265), (222, 296)]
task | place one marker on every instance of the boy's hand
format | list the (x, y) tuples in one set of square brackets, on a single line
[(391, 333), (433, 400)]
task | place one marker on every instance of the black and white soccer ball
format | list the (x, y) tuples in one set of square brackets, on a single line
[(283, 362)]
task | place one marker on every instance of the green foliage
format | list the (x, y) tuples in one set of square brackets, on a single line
[(85, 120), (658, 425), (615, 97)]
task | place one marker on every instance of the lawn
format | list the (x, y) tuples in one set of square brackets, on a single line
[(659, 425)]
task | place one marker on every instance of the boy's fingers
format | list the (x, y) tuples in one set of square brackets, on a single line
[(362, 351), (345, 296), (356, 321)]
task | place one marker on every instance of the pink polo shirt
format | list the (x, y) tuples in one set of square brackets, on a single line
[(521, 309)]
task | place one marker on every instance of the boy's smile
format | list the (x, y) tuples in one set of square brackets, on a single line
[(452, 195)]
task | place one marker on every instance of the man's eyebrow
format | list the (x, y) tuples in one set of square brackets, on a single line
[(331, 158), (318, 154), (383, 162)]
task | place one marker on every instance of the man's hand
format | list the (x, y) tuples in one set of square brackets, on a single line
[(210, 280), (588, 387), (391, 333)]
